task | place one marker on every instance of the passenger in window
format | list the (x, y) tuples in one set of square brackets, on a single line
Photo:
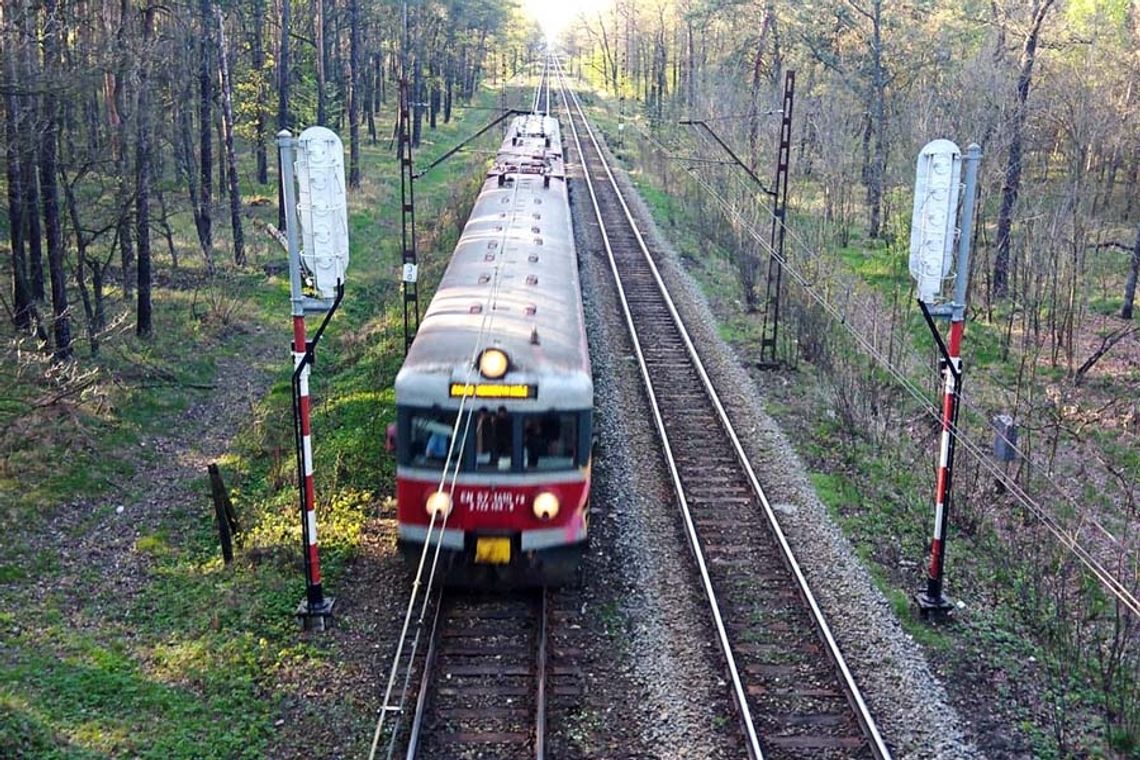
[(532, 442), (437, 445), (501, 437)]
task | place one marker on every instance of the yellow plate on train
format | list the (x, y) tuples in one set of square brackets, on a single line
[(493, 551)]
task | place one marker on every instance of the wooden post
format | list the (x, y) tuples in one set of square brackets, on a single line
[(224, 511)]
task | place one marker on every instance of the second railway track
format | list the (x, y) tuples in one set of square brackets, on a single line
[(793, 691)]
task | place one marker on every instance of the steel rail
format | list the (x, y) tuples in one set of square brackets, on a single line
[(866, 720), (748, 726), (540, 680), (425, 682)]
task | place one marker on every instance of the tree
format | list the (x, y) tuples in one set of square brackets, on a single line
[(1011, 187), (1130, 283), (354, 80), (23, 306), (205, 121), (143, 321), (49, 188), (228, 132)]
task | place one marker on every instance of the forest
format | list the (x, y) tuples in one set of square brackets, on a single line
[(140, 178), (121, 120)]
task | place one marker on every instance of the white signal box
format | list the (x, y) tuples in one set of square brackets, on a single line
[(322, 207), (933, 225)]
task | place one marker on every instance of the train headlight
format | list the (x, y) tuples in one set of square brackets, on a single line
[(545, 506), (439, 503), (493, 364)]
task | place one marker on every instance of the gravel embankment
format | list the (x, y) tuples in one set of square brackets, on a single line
[(672, 674)]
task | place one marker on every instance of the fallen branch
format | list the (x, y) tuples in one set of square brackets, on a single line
[(1111, 244), (169, 383), (1106, 345), (60, 395), (278, 235)]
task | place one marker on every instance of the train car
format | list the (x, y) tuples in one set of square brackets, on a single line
[(495, 397)]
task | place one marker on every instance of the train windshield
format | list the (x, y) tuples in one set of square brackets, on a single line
[(430, 438), (550, 441), (494, 440)]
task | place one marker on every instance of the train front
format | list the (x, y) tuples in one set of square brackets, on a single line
[(495, 399)]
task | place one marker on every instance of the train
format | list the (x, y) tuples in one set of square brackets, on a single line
[(495, 398)]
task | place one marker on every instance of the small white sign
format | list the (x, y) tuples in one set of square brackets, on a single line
[(411, 271), (933, 224)]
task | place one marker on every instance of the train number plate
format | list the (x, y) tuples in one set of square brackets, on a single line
[(493, 551)]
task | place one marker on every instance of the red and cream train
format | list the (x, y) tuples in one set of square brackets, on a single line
[(495, 397)]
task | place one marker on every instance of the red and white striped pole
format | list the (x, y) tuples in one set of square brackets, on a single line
[(951, 389), (313, 595)]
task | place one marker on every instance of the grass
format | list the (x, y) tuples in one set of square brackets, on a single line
[(186, 664)]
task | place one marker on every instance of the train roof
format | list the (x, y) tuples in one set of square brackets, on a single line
[(512, 284)]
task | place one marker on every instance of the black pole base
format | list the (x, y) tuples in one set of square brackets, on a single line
[(315, 617), (933, 608)]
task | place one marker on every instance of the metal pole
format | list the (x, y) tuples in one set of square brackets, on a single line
[(770, 329), (408, 220), (314, 606), (933, 600), (962, 276)]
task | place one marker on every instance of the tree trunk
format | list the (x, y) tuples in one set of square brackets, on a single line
[(1012, 184), (754, 109), (120, 139), (82, 264), (449, 86), (417, 98), (143, 324), (183, 158), (23, 307), (354, 83), (206, 123), (29, 160), (228, 127), (434, 98), (878, 164), (49, 189), (322, 57), (1130, 283), (257, 53), (282, 99)]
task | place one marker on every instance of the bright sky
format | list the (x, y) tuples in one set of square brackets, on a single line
[(555, 15)]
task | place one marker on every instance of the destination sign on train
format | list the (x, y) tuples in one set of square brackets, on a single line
[(494, 390)]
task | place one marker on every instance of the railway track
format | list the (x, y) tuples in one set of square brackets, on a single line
[(792, 690), (483, 679)]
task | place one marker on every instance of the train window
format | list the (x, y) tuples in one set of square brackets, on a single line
[(494, 439), (550, 441), (431, 438)]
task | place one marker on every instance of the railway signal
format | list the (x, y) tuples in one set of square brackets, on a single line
[(312, 167), (933, 230)]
